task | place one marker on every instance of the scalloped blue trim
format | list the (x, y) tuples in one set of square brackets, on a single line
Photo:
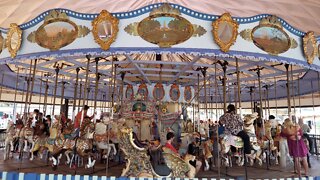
[(194, 51), (146, 9)]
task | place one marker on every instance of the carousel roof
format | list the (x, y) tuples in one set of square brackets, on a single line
[(144, 63), (303, 15)]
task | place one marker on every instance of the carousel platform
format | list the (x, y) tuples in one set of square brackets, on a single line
[(40, 170)]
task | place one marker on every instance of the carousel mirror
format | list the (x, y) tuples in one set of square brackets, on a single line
[(143, 91), (105, 29), (1, 42), (14, 39), (158, 92), (225, 31), (129, 92), (309, 46), (174, 92), (187, 94)]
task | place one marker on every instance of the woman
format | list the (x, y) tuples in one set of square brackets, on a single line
[(297, 148)]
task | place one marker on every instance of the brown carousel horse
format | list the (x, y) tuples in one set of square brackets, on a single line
[(82, 145), (267, 142)]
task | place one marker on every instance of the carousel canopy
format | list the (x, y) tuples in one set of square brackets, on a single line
[(186, 49), (303, 15)]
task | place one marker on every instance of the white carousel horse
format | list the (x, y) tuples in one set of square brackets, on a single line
[(227, 141), (102, 134), (10, 135), (26, 136)]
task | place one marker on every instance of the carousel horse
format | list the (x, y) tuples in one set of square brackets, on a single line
[(82, 145), (26, 136), (102, 136), (53, 143), (267, 143), (138, 162), (10, 136), (226, 141)]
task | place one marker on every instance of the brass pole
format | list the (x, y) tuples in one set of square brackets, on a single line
[(55, 89), (27, 95), (198, 98), (62, 96), (32, 85), (96, 86), (46, 98), (15, 98), (80, 97), (114, 84), (314, 116), (217, 117), (260, 91), (224, 68), (204, 73), (275, 94), (40, 90), (86, 83), (293, 92), (268, 102), (111, 83), (239, 86), (122, 86), (288, 91), (75, 93), (1, 86), (251, 99), (299, 95)]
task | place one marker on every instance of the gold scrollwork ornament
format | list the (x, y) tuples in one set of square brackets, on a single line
[(14, 39), (225, 31), (105, 29), (309, 46)]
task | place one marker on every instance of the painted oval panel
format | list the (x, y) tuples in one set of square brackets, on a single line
[(57, 33), (165, 30), (271, 39), (158, 92), (187, 94), (174, 92)]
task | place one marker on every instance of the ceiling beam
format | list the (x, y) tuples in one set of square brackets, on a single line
[(185, 68), (139, 69)]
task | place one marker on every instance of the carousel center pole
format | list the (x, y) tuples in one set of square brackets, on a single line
[(55, 89), (32, 85)]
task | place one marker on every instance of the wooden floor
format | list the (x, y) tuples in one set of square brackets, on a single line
[(40, 166)]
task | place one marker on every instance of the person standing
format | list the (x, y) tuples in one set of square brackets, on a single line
[(297, 148)]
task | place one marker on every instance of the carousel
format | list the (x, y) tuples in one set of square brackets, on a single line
[(98, 92)]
